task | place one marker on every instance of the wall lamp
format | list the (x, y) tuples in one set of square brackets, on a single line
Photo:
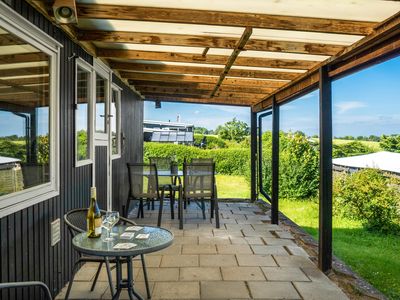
[(65, 12)]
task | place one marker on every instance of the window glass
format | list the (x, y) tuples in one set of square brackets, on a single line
[(24, 115), (101, 92), (114, 112), (82, 114)]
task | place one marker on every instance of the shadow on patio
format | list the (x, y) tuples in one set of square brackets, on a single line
[(248, 258)]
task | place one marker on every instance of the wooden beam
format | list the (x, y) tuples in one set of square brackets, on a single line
[(17, 89), (191, 16), (159, 68), (201, 86), (208, 59), (215, 100), (238, 48), (23, 58), (24, 71), (10, 40), (26, 81), (189, 91), (201, 79), (207, 41)]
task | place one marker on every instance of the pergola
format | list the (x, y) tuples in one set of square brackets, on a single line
[(254, 53)]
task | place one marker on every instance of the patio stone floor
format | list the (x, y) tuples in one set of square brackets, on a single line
[(247, 258)]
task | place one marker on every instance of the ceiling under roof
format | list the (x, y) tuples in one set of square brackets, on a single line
[(226, 52)]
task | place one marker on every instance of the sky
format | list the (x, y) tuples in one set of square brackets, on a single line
[(364, 103)]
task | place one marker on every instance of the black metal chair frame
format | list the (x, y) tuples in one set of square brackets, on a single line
[(24, 284), (213, 198), (73, 229)]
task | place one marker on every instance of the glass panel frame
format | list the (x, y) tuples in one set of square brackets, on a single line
[(115, 122), (17, 25), (86, 67)]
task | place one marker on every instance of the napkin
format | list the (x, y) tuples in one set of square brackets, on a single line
[(124, 246)]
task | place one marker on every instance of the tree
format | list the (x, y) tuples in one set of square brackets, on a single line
[(201, 130), (234, 130), (390, 143)]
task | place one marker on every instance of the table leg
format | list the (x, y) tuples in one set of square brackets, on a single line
[(118, 271), (131, 291)]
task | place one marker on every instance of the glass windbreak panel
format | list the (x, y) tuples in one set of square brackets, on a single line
[(114, 112), (101, 96), (24, 115), (82, 114), (266, 154)]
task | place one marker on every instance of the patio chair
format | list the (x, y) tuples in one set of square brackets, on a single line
[(26, 284), (143, 186), (168, 183), (76, 222), (199, 186)]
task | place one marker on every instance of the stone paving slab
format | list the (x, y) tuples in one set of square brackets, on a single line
[(247, 258)]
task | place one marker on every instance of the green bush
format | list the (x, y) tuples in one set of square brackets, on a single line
[(228, 161), (370, 197), (298, 166), (212, 142), (390, 143), (350, 149)]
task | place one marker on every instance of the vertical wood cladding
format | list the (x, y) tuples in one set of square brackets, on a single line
[(25, 251)]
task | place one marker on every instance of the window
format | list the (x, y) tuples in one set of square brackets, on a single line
[(101, 100), (28, 114), (115, 121), (83, 112)]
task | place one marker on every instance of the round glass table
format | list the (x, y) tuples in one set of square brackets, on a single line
[(159, 238)]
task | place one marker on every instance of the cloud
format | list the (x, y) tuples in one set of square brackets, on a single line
[(343, 107), (196, 112)]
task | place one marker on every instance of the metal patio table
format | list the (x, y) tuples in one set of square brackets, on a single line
[(159, 239)]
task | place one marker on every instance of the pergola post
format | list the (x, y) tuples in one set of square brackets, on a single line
[(325, 171), (253, 154), (275, 164)]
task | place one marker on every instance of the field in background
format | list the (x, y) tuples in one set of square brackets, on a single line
[(373, 256), (231, 186), (373, 145)]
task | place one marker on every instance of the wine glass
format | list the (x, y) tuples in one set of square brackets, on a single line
[(115, 218), (110, 218)]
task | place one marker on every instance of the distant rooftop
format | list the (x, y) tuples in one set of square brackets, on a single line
[(384, 160), (8, 160), (162, 123)]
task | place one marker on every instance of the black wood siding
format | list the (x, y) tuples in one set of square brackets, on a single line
[(25, 251)]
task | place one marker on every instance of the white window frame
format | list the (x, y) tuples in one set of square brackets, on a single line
[(87, 67), (19, 26), (118, 89)]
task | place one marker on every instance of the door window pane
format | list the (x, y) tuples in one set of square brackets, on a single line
[(82, 115), (101, 96), (115, 117), (24, 116)]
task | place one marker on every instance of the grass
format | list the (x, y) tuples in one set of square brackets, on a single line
[(374, 256), (230, 186), (373, 145)]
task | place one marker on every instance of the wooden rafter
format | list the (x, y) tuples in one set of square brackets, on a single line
[(207, 41), (191, 16), (23, 58), (159, 68), (207, 100), (208, 59), (202, 86), (238, 48), (201, 79), (24, 71), (189, 91)]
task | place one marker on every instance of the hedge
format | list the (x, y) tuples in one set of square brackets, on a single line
[(228, 161)]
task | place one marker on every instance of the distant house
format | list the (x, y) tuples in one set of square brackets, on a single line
[(11, 179), (384, 160), (168, 132)]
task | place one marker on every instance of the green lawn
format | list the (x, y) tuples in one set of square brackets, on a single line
[(373, 145), (230, 186), (374, 256)]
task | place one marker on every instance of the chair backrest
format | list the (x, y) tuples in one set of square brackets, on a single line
[(202, 161), (76, 220), (143, 181), (199, 180), (163, 164), (27, 284)]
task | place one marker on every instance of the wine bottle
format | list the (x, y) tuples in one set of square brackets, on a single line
[(93, 216)]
